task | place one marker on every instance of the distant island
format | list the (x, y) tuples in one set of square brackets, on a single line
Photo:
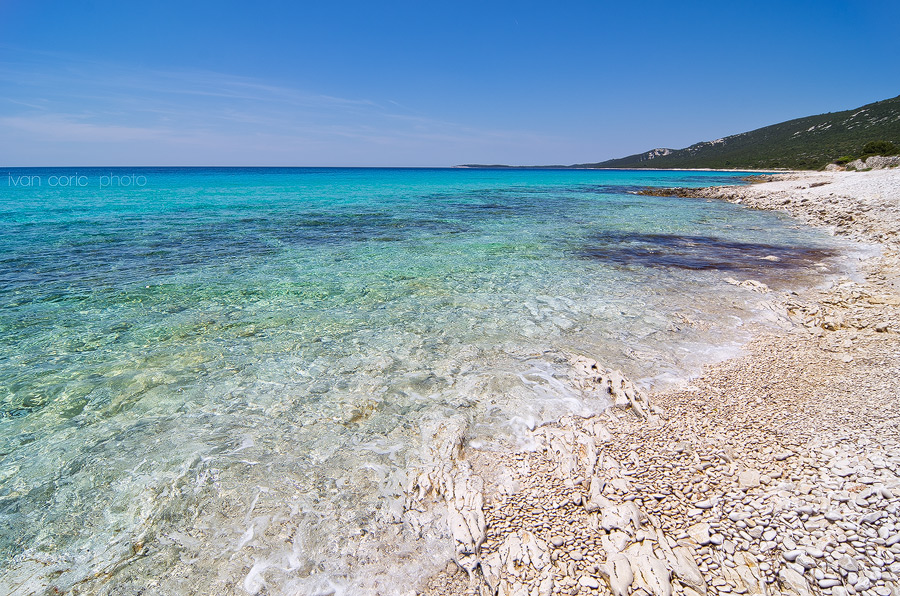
[(808, 143)]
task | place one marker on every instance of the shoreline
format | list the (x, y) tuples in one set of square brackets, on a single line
[(774, 472)]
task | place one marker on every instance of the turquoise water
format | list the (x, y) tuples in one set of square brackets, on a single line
[(216, 377)]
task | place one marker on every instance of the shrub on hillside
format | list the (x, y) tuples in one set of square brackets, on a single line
[(879, 148)]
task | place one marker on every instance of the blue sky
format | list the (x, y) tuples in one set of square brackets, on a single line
[(421, 83)]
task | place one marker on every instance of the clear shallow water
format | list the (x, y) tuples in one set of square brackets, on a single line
[(217, 377)]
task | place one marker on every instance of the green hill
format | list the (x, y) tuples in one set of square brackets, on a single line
[(805, 143)]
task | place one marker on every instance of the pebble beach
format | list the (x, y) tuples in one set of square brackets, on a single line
[(777, 472)]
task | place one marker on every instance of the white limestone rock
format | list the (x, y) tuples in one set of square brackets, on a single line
[(546, 583), (685, 568), (749, 573), (794, 582), (590, 376), (614, 542), (748, 479), (699, 533), (618, 574), (596, 500), (465, 514), (625, 517), (652, 575)]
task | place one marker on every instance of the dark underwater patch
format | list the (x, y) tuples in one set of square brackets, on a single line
[(699, 253)]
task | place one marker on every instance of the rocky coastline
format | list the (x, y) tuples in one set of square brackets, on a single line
[(777, 472)]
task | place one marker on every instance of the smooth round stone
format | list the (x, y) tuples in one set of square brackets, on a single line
[(871, 518), (829, 583), (576, 555)]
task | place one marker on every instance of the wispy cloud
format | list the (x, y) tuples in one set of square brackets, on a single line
[(67, 109), (66, 127)]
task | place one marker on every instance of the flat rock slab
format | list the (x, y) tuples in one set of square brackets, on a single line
[(748, 479)]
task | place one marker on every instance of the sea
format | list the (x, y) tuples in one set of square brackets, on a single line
[(214, 380)]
